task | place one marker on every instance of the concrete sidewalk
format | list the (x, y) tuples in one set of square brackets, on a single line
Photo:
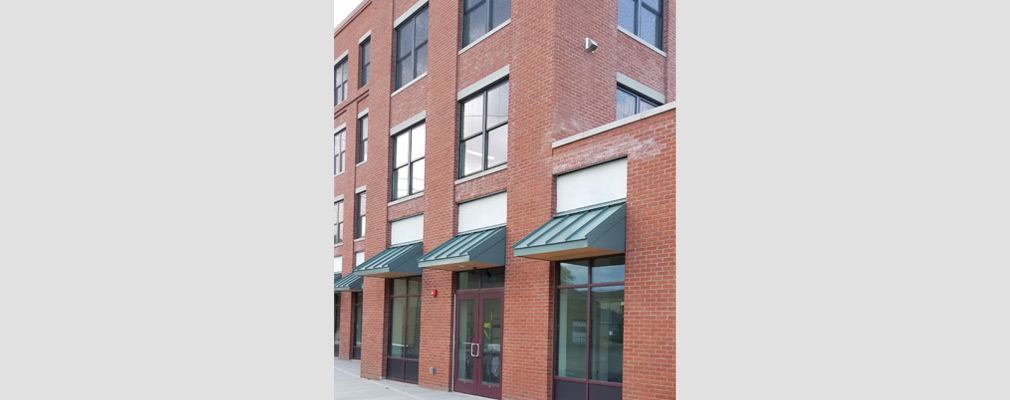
[(348, 384)]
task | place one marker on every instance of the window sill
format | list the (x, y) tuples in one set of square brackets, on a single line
[(404, 199), (489, 33), (642, 41), (409, 83), (336, 175), (482, 173), (359, 239), (359, 164)]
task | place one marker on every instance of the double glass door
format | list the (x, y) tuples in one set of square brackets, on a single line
[(478, 342)]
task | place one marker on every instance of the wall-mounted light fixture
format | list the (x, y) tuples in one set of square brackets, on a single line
[(591, 45)]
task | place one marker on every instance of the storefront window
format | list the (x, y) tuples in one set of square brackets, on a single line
[(590, 328), (404, 329)]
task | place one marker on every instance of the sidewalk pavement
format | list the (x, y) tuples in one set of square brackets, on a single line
[(348, 384)]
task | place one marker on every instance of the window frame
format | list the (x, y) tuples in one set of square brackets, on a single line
[(360, 210), (397, 58), (637, 25), (338, 226), (485, 130), (364, 61), (410, 161), (639, 98), (589, 286), (340, 85), (362, 145), (339, 151), (464, 21)]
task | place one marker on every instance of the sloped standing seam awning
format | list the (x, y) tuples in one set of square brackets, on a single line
[(336, 278), (351, 283), (588, 232), (466, 251), (393, 262)]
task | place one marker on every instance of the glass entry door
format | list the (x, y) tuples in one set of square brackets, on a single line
[(478, 342)]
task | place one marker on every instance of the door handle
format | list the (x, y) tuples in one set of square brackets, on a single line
[(478, 349), (472, 354)]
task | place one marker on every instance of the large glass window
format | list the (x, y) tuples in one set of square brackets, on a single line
[(484, 129), (362, 139), (339, 147), (336, 323), (630, 103), (590, 328), (340, 82), (408, 162), (356, 300), (644, 18), (481, 16), (359, 207), (338, 225), (365, 57), (412, 48), (404, 328)]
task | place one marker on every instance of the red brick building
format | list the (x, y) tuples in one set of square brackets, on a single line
[(504, 178)]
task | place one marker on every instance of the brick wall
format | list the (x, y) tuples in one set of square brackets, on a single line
[(557, 89)]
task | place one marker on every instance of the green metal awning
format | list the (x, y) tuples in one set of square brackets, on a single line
[(478, 249), (393, 262), (582, 233), (352, 282)]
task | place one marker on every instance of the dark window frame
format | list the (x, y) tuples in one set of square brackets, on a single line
[(364, 61), (357, 314), (336, 324), (639, 5), (362, 150), (589, 286), (485, 130), (464, 29), (398, 56), (340, 82), (339, 151), (406, 304), (338, 226), (360, 209), (639, 99), (411, 162)]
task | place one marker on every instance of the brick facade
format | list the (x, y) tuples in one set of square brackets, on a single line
[(557, 89)]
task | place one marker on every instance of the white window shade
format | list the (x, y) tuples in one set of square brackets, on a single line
[(359, 258), (483, 212), (338, 263), (406, 230), (597, 184)]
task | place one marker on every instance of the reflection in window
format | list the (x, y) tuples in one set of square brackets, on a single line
[(630, 103), (481, 16), (644, 18), (484, 130), (412, 48), (408, 162), (590, 315)]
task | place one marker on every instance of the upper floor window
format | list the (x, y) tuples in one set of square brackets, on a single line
[(483, 137), (362, 139), (365, 58), (339, 147), (644, 18), (481, 16), (630, 103), (359, 212), (340, 82), (412, 48), (338, 226), (408, 162)]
